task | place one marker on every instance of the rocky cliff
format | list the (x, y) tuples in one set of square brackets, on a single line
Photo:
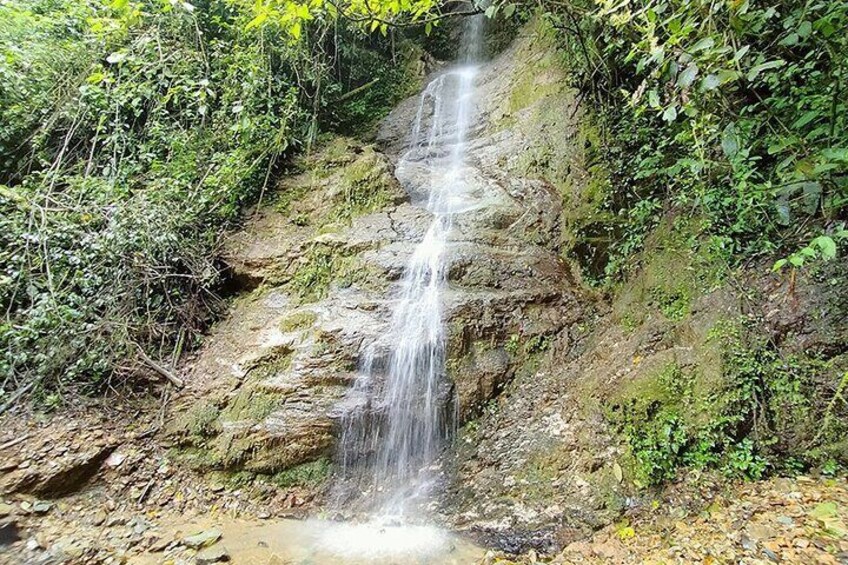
[(563, 395)]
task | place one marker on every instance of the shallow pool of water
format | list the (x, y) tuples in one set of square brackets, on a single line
[(317, 542)]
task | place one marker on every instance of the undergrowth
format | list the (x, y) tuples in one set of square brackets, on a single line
[(766, 414), (732, 112), (132, 134)]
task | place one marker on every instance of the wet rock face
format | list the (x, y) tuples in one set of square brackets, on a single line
[(265, 388), (506, 278), (321, 261)]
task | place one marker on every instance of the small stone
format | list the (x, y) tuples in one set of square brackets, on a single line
[(210, 555), (747, 543), (117, 520), (115, 459), (6, 509), (41, 507), (157, 545), (98, 518), (8, 465), (785, 520), (771, 555), (761, 532), (202, 539)]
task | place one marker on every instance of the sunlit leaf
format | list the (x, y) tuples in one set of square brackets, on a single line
[(730, 141), (755, 71)]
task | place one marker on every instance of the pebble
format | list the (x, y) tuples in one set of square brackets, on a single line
[(202, 539), (98, 518), (117, 520), (210, 555), (786, 520)]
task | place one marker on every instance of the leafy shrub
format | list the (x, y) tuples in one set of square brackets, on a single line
[(132, 134), (762, 415), (733, 111)]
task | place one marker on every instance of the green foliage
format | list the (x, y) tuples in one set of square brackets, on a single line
[(292, 16), (735, 112), (532, 346), (132, 134), (822, 247), (760, 416), (146, 131), (367, 83)]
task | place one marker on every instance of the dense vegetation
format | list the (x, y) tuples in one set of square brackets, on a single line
[(131, 135), (727, 121), (733, 111)]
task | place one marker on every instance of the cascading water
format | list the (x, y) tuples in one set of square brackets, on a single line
[(401, 404)]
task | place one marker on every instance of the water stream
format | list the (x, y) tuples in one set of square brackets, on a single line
[(400, 413), (403, 408)]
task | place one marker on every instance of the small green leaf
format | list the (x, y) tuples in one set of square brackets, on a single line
[(509, 10), (741, 53), (710, 82), (778, 265), (725, 76), (653, 99), (827, 247), (705, 43), (755, 71), (729, 141), (670, 113), (790, 40), (687, 77)]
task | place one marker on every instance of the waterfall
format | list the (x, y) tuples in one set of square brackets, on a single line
[(401, 408)]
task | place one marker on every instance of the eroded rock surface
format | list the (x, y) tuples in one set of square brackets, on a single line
[(321, 261), (319, 258)]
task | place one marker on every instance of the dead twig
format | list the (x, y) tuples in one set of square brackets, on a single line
[(174, 380), (17, 394), (14, 442), (146, 490)]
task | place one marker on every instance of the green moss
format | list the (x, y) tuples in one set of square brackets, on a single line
[(323, 265), (366, 185), (309, 474), (285, 198), (678, 265), (249, 404), (758, 413), (201, 420), (273, 361), (232, 449), (298, 321), (194, 458)]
